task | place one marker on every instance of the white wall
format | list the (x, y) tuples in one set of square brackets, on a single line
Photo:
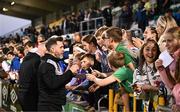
[(10, 24)]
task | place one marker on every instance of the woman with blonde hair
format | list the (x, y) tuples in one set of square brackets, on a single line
[(170, 74), (163, 24)]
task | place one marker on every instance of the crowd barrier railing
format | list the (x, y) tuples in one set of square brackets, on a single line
[(113, 107), (9, 100)]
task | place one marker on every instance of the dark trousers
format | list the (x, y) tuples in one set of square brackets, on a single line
[(49, 107), (29, 107)]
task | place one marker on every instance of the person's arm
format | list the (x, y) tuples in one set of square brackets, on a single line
[(131, 66), (54, 81), (100, 74), (137, 42), (164, 78), (101, 82), (72, 82), (106, 81), (163, 74)]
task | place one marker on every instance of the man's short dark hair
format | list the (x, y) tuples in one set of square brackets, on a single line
[(29, 44), (89, 56), (114, 33), (52, 41), (59, 38)]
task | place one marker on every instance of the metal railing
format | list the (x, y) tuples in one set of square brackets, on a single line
[(89, 26)]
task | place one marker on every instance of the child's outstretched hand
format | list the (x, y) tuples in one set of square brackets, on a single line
[(90, 77), (98, 74), (93, 87)]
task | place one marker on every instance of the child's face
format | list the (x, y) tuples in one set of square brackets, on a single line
[(75, 51), (40, 39), (85, 63), (108, 43), (16, 51), (86, 46), (77, 61), (100, 41), (10, 57), (171, 43), (150, 52)]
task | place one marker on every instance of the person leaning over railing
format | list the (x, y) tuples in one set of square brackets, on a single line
[(122, 74), (145, 76), (113, 38)]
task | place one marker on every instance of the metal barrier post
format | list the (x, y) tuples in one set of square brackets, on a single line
[(134, 103), (115, 105), (161, 101), (111, 94), (99, 101), (144, 109), (155, 104)]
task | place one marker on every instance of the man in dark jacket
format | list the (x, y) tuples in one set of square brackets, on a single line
[(51, 79), (28, 90)]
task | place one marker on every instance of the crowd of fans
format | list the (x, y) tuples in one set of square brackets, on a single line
[(138, 11), (113, 57)]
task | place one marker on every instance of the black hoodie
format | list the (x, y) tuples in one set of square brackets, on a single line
[(28, 90), (51, 86)]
